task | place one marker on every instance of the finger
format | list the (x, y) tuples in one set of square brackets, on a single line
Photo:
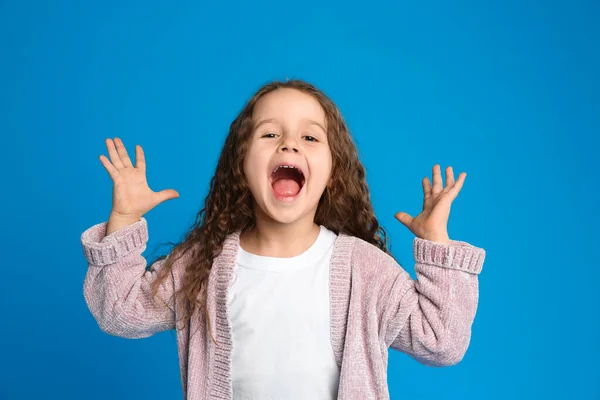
[(437, 179), (449, 178), (404, 218), (114, 156), (140, 160), (426, 192), (112, 171), (167, 194), (458, 185), (122, 151)]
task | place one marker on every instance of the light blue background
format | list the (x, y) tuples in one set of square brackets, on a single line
[(505, 91)]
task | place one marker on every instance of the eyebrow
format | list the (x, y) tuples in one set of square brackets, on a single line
[(264, 121), (311, 122), (269, 120)]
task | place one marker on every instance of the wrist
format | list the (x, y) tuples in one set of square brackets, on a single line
[(442, 239), (124, 217), (119, 221)]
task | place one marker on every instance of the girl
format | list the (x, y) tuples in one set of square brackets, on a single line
[(284, 287)]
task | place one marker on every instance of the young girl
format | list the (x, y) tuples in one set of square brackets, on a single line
[(284, 287)]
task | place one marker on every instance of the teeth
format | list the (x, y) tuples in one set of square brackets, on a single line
[(283, 166)]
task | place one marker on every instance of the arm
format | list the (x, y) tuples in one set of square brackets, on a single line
[(117, 286), (430, 318)]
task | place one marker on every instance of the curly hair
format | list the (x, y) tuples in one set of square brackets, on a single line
[(344, 207)]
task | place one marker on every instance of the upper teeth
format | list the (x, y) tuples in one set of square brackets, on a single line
[(282, 166)]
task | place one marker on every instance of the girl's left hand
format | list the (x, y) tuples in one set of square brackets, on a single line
[(431, 223)]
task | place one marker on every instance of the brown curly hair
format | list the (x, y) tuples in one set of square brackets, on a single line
[(344, 206)]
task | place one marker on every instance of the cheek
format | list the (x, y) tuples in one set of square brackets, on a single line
[(327, 161), (324, 170), (253, 168)]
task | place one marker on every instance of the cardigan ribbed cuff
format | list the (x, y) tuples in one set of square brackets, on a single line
[(101, 249), (456, 255)]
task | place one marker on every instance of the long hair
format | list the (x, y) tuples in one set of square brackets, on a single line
[(344, 207)]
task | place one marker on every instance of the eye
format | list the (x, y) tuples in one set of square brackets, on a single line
[(312, 137), (267, 134)]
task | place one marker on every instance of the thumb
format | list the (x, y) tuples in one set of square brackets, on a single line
[(404, 218), (167, 194)]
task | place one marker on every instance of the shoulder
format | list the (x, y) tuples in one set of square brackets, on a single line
[(367, 259), (180, 258), (375, 277)]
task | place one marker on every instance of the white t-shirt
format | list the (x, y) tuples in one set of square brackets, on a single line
[(279, 311)]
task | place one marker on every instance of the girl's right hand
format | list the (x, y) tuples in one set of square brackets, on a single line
[(132, 197)]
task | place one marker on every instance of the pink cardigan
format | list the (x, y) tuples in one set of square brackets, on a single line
[(375, 305)]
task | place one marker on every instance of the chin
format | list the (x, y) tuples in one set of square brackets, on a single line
[(287, 212), (286, 216)]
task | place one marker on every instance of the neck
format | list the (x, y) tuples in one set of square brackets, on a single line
[(270, 238)]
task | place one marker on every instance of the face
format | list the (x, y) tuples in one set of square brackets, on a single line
[(289, 129)]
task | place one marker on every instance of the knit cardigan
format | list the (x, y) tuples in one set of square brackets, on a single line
[(374, 305)]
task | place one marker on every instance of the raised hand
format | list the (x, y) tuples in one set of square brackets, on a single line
[(132, 197), (432, 222)]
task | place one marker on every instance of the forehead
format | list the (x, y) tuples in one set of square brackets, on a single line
[(288, 103)]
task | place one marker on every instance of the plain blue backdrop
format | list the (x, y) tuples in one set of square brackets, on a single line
[(505, 91)]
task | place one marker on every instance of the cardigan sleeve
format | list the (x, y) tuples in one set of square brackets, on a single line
[(430, 318), (117, 287)]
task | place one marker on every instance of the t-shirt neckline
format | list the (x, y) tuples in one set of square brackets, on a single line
[(283, 264)]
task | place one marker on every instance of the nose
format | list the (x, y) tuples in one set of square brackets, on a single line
[(286, 148), (289, 144)]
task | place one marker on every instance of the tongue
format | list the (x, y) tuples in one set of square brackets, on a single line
[(286, 187)]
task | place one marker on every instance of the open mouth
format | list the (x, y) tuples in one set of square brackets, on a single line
[(287, 181)]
